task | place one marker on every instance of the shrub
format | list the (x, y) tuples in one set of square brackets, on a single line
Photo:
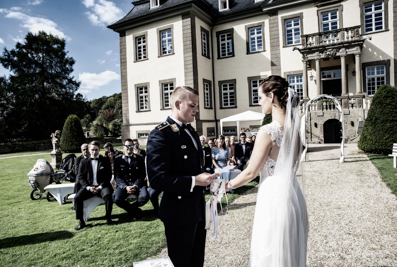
[(72, 136), (267, 119), (380, 127)]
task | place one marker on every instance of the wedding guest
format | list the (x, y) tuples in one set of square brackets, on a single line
[(207, 159), (249, 139), (232, 148), (220, 154), (85, 154), (253, 137), (243, 152), (110, 153), (210, 143)]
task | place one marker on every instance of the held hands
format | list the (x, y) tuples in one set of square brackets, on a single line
[(204, 179), (95, 190), (131, 189)]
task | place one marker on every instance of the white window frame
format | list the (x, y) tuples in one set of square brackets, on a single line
[(141, 50), (167, 88), (223, 5), (371, 16), (154, 3), (293, 29), (143, 135), (143, 98), (204, 44), (255, 38), (228, 95), (296, 82), (254, 91), (225, 45), (207, 95), (328, 21), (166, 42), (378, 78)]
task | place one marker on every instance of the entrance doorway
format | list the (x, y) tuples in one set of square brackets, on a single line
[(332, 131), (332, 82)]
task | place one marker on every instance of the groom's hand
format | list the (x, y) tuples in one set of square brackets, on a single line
[(204, 179)]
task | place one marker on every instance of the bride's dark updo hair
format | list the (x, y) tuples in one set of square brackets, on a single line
[(278, 86)]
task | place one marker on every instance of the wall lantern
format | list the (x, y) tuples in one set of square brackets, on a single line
[(311, 76)]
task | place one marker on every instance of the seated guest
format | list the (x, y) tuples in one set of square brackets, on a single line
[(138, 150), (243, 152), (77, 160), (130, 173), (220, 154), (207, 157), (210, 143), (94, 176), (232, 147), (110, 153)]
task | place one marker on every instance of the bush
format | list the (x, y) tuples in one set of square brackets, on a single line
[(72, 136), (267, 119), (380, 128)]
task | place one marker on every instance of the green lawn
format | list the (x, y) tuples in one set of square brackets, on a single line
[(41, 233), (384, 164)]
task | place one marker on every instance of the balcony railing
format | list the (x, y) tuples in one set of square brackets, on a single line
[(347, 103), (331, 37)]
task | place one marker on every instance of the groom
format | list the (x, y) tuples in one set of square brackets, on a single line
[(174, 166)]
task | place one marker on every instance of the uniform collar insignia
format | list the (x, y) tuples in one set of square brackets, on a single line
[(174, 127)]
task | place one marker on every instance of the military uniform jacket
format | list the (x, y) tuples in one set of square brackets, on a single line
[(172, 160), (129, 174)]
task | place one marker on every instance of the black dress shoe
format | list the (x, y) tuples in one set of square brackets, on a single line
[(138, 213), (109, 222), (80, 226)]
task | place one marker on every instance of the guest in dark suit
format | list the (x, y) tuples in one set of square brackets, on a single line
[(243, 152), (130, 174), (94, 176), (137, 149), (206, 155), (175, 166), (77, 160)]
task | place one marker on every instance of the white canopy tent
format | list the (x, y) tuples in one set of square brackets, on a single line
[(244, 116)]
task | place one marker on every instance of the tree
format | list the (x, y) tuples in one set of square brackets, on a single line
[(72, 136), (380, 127), (267, 119), (40, 86)]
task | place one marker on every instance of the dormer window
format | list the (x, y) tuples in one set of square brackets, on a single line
[(154, 3), (223, 5)]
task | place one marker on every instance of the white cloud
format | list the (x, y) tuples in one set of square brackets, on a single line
[(101, 61), (102, 12), (109, 52), (15, 8), (117, 65), (36, 24), (1, 41), (91, 81), (35, 2)]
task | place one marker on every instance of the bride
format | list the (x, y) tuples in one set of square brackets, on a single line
[(279, 236)]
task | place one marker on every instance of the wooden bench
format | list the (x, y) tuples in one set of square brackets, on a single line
[(91, 203), (394, 155), (60, 191)]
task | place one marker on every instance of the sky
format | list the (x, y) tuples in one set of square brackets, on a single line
[(82, 23)]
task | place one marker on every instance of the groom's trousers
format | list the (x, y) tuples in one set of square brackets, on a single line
[(186, 244)]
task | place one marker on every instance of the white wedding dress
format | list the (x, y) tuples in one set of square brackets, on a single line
[(280, 229)]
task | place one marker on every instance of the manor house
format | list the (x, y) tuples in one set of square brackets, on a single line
[(343, 48)]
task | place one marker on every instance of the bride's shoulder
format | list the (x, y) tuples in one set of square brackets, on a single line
[(273, 129)]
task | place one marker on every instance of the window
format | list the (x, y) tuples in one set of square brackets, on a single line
[(140, 43), (374, 17), (329, 21), (229, 130), (292, 31), (296, 82), (205, 49), (223, 5), (143, 135), (375, 77), (143, 98), (167, 89), (331, 74), (154, 3), (166, 42), (210, 131), (225, 44), (228, 94), (255, 39), (207, 94), (254, 92)]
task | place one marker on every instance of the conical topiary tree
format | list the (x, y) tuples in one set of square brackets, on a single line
[(72, 136), (380, 127)]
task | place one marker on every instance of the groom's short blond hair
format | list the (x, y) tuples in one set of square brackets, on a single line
[(182, 93)]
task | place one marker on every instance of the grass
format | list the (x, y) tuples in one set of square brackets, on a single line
[(384, 164), (41, 233)]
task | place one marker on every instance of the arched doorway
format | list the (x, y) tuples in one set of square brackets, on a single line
[(332, 131)]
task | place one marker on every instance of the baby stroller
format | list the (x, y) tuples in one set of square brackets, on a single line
[(43, 174)]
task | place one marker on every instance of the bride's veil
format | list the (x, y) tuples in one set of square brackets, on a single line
[(286, 212)]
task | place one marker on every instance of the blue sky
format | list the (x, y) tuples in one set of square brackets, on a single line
[(82, 23)]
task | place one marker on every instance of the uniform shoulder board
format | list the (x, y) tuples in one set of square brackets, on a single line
[(162, 126), (117, 156)]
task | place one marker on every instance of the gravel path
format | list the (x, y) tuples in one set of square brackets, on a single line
[(27, 155), (352, 215)]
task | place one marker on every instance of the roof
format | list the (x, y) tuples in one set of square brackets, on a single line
[(141, 8), (245, 116)]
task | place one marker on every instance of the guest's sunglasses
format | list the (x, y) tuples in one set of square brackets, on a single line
[(128, 146)]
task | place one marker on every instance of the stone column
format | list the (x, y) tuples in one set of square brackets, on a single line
[(318, 76), (358, 73), (343, 70), (304, 77)]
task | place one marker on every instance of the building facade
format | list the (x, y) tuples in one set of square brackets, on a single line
[(225, 47)]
